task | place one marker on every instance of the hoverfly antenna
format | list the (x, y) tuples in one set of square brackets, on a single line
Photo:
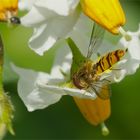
[(15, 20)]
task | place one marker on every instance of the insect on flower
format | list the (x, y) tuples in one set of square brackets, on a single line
[(89, 74), (8, 11)]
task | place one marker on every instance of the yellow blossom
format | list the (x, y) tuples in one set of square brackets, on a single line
[(8, 8), (95, 111), (108, 13)]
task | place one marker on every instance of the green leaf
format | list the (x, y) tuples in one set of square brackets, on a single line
[(78, 58)]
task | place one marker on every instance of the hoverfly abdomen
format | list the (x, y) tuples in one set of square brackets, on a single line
[(106, 62)]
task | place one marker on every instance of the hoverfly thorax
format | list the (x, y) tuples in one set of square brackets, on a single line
[(85, 76)]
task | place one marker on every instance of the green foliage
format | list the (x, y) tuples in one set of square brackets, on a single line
[(6, 112), (6, 108), (63, 120), (78, 58)]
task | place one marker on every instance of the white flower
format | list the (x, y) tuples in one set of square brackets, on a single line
[(51, 20), (39, 90), (130, 63), (25, 4)]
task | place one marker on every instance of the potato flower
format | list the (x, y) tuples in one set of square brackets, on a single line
[(39, 90), (53, 20)]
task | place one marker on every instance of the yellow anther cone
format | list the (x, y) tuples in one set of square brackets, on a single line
[(95, 111), (108, 13), (8, 7)]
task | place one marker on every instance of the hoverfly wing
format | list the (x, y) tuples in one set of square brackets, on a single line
[(104, 92), (95, 39)]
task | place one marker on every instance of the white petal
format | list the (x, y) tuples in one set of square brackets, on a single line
[(133, 54), (26, 4), (36, 17), (45, 35), (39, 90), (52, 20), (61, 7), (66, 91), (29, 92), (47, 9), (132, 45), (62, 62), (81, 33)]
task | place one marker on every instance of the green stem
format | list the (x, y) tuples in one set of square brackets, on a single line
[(104, 129), (1, 66), (6, 112)]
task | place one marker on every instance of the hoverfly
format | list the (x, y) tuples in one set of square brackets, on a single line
[(89, 74), (8, 11)]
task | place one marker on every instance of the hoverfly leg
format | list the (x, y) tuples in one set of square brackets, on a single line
[(106, 80), (94, 89), (63, 73), (98, 54), (101, 87), (115, 69), (104, 92)]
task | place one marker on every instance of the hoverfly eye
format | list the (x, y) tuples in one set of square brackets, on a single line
[(121, 53), (15, 20)]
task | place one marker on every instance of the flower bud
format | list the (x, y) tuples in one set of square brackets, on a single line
[(107, 13)]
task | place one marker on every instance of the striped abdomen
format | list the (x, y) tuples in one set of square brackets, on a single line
[(107, 61)]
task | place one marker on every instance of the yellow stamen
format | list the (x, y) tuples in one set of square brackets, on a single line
[(95, 111), (8, 8), (108, 13)]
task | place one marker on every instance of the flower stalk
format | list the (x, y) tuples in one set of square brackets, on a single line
[(104, 129), (6, 108)]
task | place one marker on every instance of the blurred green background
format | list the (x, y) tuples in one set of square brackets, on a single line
[(63, 120)]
